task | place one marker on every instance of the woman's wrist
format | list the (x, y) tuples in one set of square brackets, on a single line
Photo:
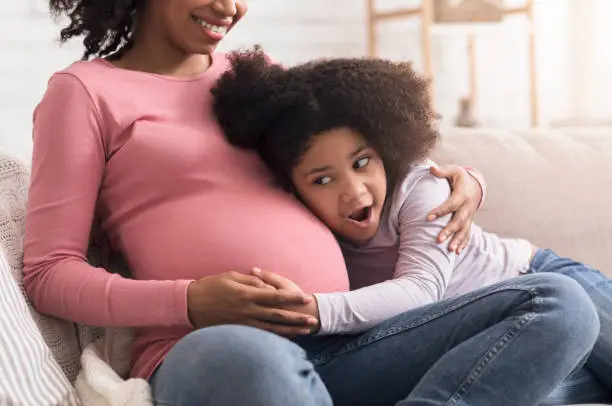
[(479, 178), (188, 299)]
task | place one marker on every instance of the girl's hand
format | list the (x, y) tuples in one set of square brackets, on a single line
[(236, 298), (281, 283), (463, 204)]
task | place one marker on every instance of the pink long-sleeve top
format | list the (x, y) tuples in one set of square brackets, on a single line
[(144, 153)]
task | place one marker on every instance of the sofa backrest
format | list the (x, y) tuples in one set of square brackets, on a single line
[(552, 187)]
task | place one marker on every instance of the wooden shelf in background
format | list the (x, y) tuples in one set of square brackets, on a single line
[(432, 13)]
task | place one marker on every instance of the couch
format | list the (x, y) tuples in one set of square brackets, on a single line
[(553, 187)]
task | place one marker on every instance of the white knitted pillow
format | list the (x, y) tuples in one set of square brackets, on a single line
[(29, 375), (65, 339), (60, 335)]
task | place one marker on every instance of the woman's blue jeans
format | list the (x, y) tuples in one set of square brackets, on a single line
[(508, 344)]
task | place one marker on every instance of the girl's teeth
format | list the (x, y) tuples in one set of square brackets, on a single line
[(214, 28)]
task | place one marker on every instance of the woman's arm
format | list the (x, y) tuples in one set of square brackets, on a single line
[(468, 195), (67, 170), (422, 273), (474, 173)]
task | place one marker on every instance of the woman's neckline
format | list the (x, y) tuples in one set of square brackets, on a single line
[(199, 76)]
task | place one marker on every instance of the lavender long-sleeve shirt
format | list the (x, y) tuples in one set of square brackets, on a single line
[(403, 267)]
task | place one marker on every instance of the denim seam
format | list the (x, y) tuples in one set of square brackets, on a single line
[(397, 330), (513, 332)]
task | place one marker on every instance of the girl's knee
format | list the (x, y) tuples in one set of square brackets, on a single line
[(567, 292), (573, 313), (559, 286)]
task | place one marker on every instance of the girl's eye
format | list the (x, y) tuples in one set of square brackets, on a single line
[(323, 180), (361, 163)]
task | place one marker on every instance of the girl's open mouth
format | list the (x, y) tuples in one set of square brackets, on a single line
[(361, 215)]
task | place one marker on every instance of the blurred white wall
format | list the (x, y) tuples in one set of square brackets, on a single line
[(591, 60), (573, 59), (501, 61)]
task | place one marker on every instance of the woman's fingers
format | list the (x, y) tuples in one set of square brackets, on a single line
[(460, 239), (451, 228), (276, 280), (465, 242), (270, 278), (282, 316), (279, 298), (445, 171), (454, 202), (281, 330), (249, 280), (260, 291)]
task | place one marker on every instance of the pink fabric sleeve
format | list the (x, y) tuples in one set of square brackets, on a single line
[(481, 181), (67, 168)]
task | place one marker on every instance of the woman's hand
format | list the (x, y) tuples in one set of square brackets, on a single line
[(236, 298), (463, 204)]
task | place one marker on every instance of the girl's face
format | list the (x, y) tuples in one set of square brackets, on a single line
[(342, 180), (193, 26)]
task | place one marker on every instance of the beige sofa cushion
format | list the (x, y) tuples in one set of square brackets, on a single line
[(554, 188)]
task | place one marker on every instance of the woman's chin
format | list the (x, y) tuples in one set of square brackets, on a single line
[(204, 49)]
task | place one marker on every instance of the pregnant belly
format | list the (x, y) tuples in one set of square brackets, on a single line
[(238, 230)]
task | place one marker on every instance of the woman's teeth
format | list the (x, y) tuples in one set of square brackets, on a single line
[(219, 29)]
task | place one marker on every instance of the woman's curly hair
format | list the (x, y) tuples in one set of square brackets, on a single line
[(107, 25), (277, 111)]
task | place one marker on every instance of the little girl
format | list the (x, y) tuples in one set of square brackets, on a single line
[(351, 137)]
